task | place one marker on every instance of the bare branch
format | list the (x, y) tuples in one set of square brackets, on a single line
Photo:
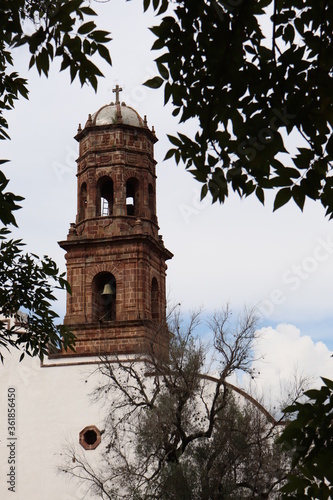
[(173, 432)]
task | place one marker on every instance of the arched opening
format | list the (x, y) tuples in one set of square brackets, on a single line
[(154, 300), (132, 196), (83, 201), (105, 195), (104, 295), (151, 203)]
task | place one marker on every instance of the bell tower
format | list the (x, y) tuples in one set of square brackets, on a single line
[(116, 260)]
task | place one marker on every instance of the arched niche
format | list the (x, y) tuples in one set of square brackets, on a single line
[(104, 297), (132, 196), (83, 201), (105, 197)]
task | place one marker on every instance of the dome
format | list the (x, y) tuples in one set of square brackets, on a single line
[(118, 113)]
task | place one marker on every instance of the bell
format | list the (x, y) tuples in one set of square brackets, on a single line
[(107, 290)]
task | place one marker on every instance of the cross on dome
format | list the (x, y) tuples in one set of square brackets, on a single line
[(117, 91)]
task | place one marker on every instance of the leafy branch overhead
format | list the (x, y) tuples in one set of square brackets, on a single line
[(257, 77), (49, 30), (308, 439), (28, 283)]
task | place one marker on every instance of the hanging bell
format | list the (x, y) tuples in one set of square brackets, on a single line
[(107, 290)]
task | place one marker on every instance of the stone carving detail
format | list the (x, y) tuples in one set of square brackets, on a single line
[(105, 159), (105, 139), (131, 158)]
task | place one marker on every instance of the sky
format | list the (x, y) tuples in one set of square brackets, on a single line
[(239, 252)]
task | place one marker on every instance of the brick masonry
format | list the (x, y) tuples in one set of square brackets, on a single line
[(115, 241)]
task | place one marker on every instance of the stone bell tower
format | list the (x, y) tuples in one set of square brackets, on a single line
[(115, 257)]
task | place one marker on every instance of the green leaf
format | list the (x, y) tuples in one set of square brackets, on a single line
[(174, 140), (169, 154), (298, 196), (167, 92), (164, 7), (158, 45), (328, 382), (260, 195), (104, 53), (204, 191), (146, 4), (156, 4), (312, 393), (291, 408), (163, 71), (32, 61), (88, 11), (86, 28), (289, 34), (154, 83), (99, 36), (282, 197)]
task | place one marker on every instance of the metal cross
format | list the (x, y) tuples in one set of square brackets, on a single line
[(117, 90)]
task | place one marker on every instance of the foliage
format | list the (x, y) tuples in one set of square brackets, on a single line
[(49, 29), (25, 283), (257, 79), (174, 433), (309, 439)]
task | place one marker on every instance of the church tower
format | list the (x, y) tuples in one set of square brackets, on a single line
[(116, 260)]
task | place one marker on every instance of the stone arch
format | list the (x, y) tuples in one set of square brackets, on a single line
[(131, 172), (83, 201), (116, 268), (105, 196), (104, 297), (132, 196)]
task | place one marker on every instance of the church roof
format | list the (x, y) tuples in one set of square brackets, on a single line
[(118, 113)]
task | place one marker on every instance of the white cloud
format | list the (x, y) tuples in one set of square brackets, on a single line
[(284, 350)]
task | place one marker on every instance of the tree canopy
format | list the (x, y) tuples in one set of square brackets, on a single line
[(308, 438), (256, 77), (172, 431), (62, 29)]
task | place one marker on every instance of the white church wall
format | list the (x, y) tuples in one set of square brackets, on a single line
[(52, 405), (43, 409)]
